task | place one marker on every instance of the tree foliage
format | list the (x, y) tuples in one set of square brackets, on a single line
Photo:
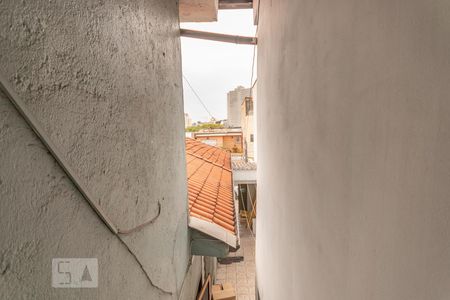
[(204, 126)]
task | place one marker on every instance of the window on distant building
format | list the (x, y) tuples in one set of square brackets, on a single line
[(251, 138), (248, 106)]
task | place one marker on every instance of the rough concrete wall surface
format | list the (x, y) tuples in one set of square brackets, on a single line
[(104, 79), (353, 121)]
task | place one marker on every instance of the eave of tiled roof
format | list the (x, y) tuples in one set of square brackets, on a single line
[(210, 191)]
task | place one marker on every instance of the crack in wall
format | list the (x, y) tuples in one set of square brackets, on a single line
[(142, 268)]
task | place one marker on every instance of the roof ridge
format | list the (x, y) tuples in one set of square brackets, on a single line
[(196, 170), (210, 161)]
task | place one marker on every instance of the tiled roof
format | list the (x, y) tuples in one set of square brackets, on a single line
[(242, 165), (210, 185)]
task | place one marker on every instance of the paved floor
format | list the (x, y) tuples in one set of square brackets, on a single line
[(241, 274)]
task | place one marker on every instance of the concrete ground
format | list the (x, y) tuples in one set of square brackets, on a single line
[(241, 274)]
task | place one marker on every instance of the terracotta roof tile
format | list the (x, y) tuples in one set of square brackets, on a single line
[(210, 188)]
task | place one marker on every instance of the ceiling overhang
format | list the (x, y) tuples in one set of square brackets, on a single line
[(206, 10), (198, 10)]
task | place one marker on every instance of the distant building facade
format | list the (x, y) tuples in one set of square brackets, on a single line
[(248, 126), (228, 139), (187, 120), (234, 100)]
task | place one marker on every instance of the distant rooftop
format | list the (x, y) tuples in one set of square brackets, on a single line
[(222, 130), (242, 165), (219, 132)]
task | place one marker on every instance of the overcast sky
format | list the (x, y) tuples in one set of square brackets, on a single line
[(214, 68)]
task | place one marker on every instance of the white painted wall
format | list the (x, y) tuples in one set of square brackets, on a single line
[(354, 150), (255, 121)]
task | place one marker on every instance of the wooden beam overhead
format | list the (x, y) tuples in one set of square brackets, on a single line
[(235, 4), (219, 37)]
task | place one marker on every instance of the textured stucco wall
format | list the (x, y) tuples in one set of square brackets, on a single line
[(104, 79), (354, 150)]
